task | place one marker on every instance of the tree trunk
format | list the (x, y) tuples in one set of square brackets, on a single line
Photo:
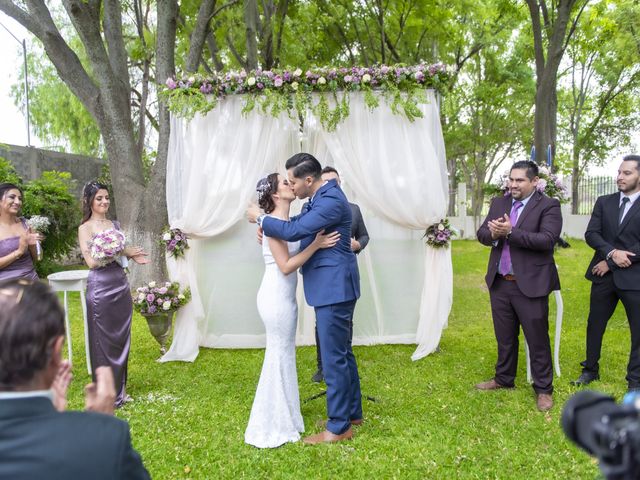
[(250, 20)]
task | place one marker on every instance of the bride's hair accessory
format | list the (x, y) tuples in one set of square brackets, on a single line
[(263, 187)]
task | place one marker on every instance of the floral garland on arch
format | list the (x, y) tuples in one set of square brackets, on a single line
[(277, 91), (549, 183)]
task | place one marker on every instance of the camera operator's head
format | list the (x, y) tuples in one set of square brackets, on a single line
[(31, 335)]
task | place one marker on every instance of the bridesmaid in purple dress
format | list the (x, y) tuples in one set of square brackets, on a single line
[(17, 243), (109, 303)]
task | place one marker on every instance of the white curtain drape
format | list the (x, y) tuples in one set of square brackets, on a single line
[(212, 168), (395, 170)]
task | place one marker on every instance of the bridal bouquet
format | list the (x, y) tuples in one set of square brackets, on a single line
[(439, 234), (38, 224), (107, 245), (175, 241), (160, 297)]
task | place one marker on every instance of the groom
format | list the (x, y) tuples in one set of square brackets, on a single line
[(331, 286)]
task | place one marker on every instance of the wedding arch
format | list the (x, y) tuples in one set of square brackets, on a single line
[(379, 127)]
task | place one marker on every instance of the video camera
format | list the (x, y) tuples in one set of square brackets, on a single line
[(606, 430)]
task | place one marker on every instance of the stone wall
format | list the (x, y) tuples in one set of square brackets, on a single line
[(30, 162)]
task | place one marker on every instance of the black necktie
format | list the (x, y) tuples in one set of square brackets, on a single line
[(625, 200)]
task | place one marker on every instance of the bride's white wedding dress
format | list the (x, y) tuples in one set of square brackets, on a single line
[(275, 416)]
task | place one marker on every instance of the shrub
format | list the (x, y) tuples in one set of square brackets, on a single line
[(51, 196), (8, 174)]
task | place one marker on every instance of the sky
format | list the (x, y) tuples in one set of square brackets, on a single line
[(13, 124)]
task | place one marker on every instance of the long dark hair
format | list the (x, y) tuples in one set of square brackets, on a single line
[(5, 187), (266, 187), (88, 194)]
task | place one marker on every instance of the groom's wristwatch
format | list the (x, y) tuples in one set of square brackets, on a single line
[(259, 220)]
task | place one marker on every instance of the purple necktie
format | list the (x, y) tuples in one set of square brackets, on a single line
[(505, 257)]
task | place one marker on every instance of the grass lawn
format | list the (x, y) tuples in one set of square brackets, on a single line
[(188, 419)]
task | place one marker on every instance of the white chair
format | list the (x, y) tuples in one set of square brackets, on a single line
[(556, 340), (73, 281)]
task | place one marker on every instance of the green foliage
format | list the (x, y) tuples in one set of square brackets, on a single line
[(51, 196), (188, 419), (8, 174), (57, 116)]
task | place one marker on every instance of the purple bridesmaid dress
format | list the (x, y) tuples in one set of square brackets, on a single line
[(21, 268), (109, 312)]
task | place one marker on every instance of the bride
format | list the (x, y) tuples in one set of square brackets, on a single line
[(275, 416)]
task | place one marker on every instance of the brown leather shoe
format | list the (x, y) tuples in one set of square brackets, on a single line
[(490, 385), (328, 437), (323, 423), (544, 402)]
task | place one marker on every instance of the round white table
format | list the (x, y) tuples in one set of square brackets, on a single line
[(73, 281)]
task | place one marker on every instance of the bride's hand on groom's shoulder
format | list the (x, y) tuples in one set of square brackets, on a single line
[(327, 240)]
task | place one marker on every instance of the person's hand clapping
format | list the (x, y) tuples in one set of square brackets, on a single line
[(60, 386), (101, 396), (500, 227)]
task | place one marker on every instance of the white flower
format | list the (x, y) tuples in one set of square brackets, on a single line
[(152, 284), (181, 297), (166, 237), (166, 305), (544, 170), (141, 297), (297, 72), (294, 85), (440, 227), (192, 79), (251, 81), (167, 284), (366, 78), (322, 81)]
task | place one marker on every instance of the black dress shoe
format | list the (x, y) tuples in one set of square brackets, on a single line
[(585, 378), (317, 377)]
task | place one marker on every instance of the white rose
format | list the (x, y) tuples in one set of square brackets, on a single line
[(181, 297), (152, 284), (322, 81), (366, 78), (166, 305), (297, 72), (251, 81), (141, 297), (166, 237), (294, 85), (192, 79)]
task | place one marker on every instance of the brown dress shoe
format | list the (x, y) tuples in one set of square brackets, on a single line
[(328, 437), (544, 402), (323, 423), (490, 385)]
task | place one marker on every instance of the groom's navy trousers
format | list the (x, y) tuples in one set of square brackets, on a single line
[(331, 286)]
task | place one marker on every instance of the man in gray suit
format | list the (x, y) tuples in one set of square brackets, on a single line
[(359, 240), (36, 439)]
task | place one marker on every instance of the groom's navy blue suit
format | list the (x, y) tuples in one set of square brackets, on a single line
[(331, 286)]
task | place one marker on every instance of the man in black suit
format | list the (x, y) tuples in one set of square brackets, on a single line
[(614, 233), (37, 440), (359, 240)]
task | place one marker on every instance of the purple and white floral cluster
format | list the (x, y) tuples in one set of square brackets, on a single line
[(314, 80), (160, 297), (439, 234), (106, 245), (175, 241), (548, 183)]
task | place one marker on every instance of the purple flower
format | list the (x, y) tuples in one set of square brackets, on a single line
[(277, 82), (162, 290), (152, 309), (151, 297), (159, 301), (171, 84), (384, 69), (206, 88), (348, 78), (287, 76), (260, 85)]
